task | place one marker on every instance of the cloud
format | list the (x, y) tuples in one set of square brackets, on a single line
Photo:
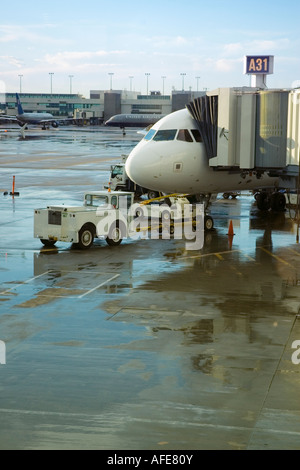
[(223, 65), (168, 42), (233, 49), (28, 33), (180, 41), (11, 61), (267, 46), (14, 33), (64, 60)]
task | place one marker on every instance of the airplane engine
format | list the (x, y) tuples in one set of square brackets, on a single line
[(55, 124)]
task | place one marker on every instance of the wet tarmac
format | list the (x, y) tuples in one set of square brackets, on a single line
[(145, 346)]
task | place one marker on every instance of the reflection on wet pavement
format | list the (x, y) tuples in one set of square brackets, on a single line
[(147, 345)]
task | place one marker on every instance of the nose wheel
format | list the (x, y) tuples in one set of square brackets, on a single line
[(208, 223), (206, 200)]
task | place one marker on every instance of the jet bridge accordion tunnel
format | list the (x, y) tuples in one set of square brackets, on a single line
[(249, 129)]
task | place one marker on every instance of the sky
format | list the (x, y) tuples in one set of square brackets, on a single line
[(102, 43)]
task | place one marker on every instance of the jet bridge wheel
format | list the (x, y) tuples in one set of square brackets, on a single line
[(277, 202), (263, 201)]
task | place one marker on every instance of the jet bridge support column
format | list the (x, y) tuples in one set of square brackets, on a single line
[(259, 81)]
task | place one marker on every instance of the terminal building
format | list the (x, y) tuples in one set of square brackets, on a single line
[(59, 105), (100, 106)]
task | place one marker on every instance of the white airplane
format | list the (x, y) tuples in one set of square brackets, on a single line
[(171, 158), (25, 119)]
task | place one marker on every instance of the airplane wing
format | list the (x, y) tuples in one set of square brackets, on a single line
[(46, 121), (4, 117), (59, 121)]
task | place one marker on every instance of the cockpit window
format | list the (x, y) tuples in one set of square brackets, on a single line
[(149, 134), (184, 135), (167, 134), (196, 135)]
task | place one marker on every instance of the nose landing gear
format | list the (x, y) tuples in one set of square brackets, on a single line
[(208, 223), (204, 199)]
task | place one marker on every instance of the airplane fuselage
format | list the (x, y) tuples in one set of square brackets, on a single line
[(133, 120), (34, 118), (172, 159)]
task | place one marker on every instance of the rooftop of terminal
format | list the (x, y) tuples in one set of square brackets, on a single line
[(101, 104)]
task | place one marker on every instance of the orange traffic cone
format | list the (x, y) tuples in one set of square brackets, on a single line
[(230, 235), (230, 230), (13, 193)]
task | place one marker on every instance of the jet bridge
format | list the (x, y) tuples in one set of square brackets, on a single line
[(251, 130)]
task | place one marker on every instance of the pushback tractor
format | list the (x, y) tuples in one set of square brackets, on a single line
[(103, 215)]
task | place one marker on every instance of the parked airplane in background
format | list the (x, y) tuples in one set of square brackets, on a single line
[(25, 119), (171, 158), (133, 120)]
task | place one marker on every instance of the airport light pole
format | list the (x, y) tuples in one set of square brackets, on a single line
[(111, 76), (20, 76), (163, 79), (51, 75), (131, 78), (147, 75), (197, 78), (70, 77), (183, 75)]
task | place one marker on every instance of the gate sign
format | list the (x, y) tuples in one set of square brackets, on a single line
[(259, 64)]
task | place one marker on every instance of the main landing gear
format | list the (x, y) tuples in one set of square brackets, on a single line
[(274, 201), (204, 199)]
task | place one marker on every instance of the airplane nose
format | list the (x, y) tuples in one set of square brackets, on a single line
[(138, 168)]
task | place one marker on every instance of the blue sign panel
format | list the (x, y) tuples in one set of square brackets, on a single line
[(259, 64)]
